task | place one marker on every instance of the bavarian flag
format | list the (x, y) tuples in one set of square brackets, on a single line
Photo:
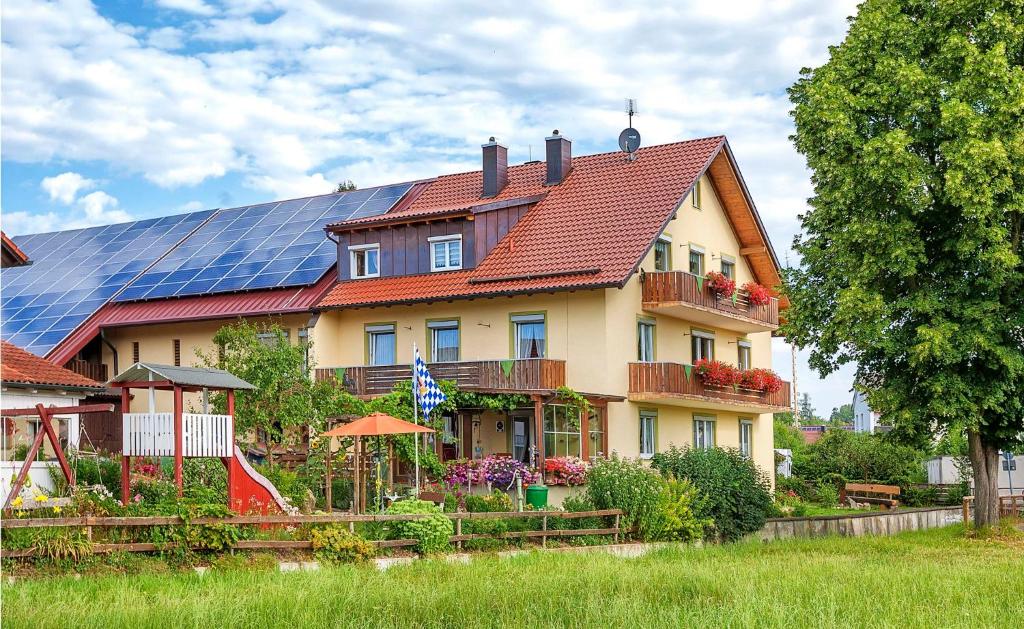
[(426, 392)]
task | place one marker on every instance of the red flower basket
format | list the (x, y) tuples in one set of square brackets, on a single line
[(763, 380), (715, 373), (757, 295), (719, 284)]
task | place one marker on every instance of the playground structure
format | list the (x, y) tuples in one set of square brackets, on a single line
[(194, 435)]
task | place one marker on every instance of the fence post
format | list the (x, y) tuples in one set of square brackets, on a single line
[(458, 531), (88, 527), (351, 526), (967, 510), (616, 528), (544, 532)]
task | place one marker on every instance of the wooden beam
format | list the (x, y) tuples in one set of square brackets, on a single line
[(144, 384), (59, 410), (749, 251)]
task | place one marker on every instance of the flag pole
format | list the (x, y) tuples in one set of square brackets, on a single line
[(415, 420)]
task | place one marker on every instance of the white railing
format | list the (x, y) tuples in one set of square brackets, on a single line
[(152, 434)]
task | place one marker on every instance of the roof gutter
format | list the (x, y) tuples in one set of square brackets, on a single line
[(113, 350)]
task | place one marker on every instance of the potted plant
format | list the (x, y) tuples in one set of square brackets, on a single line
[(569, 471), (763, 380), (719, 284), (757, 295), (715, 373)]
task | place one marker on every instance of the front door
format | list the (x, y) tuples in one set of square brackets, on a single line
[(521, 437)]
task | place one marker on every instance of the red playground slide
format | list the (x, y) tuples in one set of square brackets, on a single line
[(249, 491)]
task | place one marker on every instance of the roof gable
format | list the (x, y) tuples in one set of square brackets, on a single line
[(24, 368)]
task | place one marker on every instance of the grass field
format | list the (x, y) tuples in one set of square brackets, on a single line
[(932, 578)]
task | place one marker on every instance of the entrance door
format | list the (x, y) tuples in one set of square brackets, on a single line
[(450, 445), (521, 437)]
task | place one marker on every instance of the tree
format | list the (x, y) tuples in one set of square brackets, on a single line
[(345, 186), (842, 415), (806, 409), (912, 250), (787, 436)]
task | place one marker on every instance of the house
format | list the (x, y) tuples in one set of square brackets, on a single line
[(584, 272), (10, 253), (28, 380), (942, 470), (864, 419)]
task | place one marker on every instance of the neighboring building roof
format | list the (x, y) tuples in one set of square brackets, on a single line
[(590, 231), (277, 301), (185, 376), (12, 254), (18, 367)]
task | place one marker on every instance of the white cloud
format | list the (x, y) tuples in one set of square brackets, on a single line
[(95, 208), (100, 209), (191, 206), (66, 186), (197, 7)]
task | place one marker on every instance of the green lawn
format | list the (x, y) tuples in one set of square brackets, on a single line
[(932, 578)]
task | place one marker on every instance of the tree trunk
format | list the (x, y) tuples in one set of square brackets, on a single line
[(985, 463)]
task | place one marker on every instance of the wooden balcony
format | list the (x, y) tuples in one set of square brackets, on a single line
[(524, 376), (666, 383), (677, 294), (95, 371)]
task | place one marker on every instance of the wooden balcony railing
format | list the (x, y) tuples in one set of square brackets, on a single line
[(670, 380), (530, 374), (679, 287), (95, 371)]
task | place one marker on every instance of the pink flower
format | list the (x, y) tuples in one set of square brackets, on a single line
[(138, 497)]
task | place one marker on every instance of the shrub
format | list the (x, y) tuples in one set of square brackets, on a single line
[(155, 491), (827, 495), (57, 544), (89, 471), (919, 496), (495, 502), (502, 471), (334, 543), (431, 533), (858, 457), (796, 485), (680, 503), (461, 473), (716, 373), (618, 483), (738, 496)]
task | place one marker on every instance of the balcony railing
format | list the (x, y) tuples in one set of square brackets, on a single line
[(152, 434), (677, 293), (669, 380), (94, 371), (524, 375)]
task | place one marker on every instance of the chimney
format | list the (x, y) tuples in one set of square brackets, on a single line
[(495, 168), (559, 157)]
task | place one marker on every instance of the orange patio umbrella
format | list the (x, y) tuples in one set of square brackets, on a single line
[(373, 425)]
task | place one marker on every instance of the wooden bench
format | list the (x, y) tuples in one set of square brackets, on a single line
[(884, 495)]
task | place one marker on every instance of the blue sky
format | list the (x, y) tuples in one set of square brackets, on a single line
[(121, 110)]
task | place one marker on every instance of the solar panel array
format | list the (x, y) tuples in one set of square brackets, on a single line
[(260, 246), (73, 273), (270, 245)]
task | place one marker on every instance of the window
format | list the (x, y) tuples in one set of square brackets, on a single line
[(445, 253), (746, 437), (645, 341), (596, 447), (702, 345), (528, 332), (272, 338), (304, 344), (177, 352), (729, 267), (648, 433), (703, 432), (561, 433), (743, 355), (696, 260), (696, 194), (380, 344), (663, 254), (135, 351), (443, 340), (364, 260)]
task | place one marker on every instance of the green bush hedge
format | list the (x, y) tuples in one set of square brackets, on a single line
[(738, 496), (618, 483), (334, 543), (431, 533)]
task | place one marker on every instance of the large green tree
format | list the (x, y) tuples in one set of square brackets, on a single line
[(912, 251)]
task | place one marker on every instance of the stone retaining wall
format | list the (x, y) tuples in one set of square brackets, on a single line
[(856, 525)]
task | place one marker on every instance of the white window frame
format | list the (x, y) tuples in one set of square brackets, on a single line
[(703, 261), (354, 251), (449, 324), (518, 320), (380, 329), (731, 262), (666, 240), (740, 346), (703, 336), (695, 196), (648, 433), (645, 335), (445, 241), (704, 431), (746, 437)]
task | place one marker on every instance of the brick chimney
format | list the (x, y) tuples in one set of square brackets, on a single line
[(495, 168), (559, 158)]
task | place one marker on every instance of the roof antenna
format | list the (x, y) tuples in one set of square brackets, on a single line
[(629, 139)]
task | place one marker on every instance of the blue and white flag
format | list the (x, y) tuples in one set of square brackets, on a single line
[(428, 395)]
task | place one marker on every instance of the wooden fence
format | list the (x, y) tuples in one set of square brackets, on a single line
[(522, 375), (668, 287), (89, 523), (1009, 506)]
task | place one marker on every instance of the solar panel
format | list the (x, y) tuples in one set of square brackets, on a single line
[(269, 245), (72, 273)]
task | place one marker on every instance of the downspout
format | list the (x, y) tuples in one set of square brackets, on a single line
[(113, 350), (337, 243)]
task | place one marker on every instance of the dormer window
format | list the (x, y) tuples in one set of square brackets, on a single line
[(364, 261), (445, 253)]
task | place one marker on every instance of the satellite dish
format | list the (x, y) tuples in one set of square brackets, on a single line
[(629, 140)]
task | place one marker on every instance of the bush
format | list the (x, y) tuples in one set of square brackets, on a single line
[(796, 485), (617, 483), (919, 496), (680, 504), (334, 543), (431, 533), (827, 495), (496, 502), (738, 496), (89, 471), (858, 457)]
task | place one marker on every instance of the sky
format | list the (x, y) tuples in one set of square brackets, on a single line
[(128, 109)]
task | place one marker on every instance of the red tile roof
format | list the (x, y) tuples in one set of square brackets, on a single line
[(20, 367), (11, 250), (591, 230)]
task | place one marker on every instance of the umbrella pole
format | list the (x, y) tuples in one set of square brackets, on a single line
[(327, 486), (416, 443)]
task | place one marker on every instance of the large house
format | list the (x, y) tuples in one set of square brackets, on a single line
[(584, 272)]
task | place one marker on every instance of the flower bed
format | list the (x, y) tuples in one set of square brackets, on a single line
[(569, 471), (499, 472)]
